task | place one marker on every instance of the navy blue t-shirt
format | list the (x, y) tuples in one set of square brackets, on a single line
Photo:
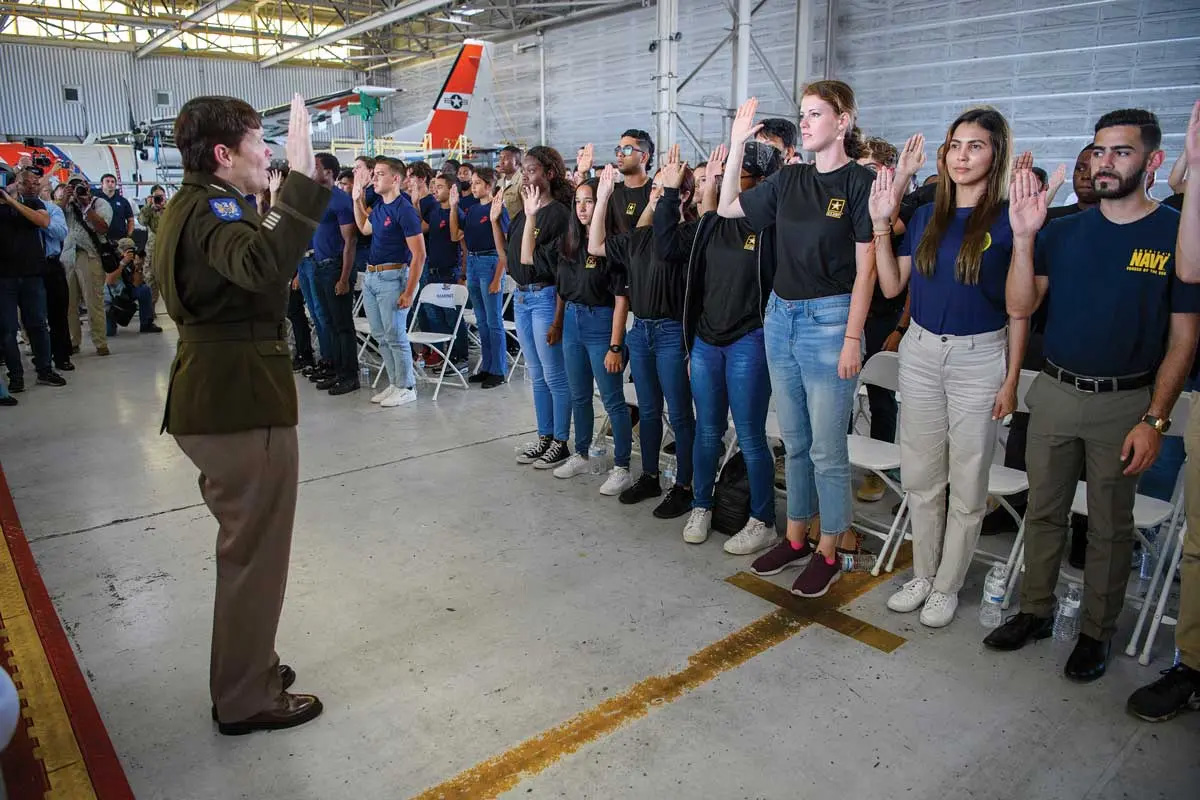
[(442, 253), (327, 239), (942, 304), (391, 224), (122, 212), (1112, 291), (427, 204), (476, 222)]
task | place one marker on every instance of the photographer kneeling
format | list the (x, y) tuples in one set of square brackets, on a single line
[(126, 291)]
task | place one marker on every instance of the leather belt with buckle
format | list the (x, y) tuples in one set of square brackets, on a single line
[(532, 287), (384, 267), (1093, 385)]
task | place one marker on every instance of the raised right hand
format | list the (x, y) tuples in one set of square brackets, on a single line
[(274, 181), (299, 148), (608, 177), (743, 123), (883, 201), (672, 171), (584, 160), (912, 157), (1192, 142), (453, 195), (1026, 204)]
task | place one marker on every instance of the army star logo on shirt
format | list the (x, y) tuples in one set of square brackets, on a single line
[(591, 263), (225, 208), (631, 209), (987, 241), (751, 242), (836, 207)]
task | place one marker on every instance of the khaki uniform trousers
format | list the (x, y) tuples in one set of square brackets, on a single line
[(248, 480), (85, 281), (1187, 633), (1068, 428)]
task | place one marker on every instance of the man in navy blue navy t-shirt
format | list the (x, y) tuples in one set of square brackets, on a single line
[(334, 245), (1121, 331)]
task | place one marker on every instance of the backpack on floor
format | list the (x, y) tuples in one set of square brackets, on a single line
[(731, 496)]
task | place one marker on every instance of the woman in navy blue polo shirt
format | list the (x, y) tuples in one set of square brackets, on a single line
[(954, 378), (485, 271)]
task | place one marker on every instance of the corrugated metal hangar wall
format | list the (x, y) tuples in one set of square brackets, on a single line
[(1052, 66)]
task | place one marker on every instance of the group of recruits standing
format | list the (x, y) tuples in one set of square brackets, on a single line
[(757, 277)]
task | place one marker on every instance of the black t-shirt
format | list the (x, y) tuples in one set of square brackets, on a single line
[(551, 223), (625, 206), (656, 287), (1175, 201), (818, 218), (21, 252), (731, 306), (587, 280), (1058, 212)]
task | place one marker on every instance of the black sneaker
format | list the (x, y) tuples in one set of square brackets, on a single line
[(479, 377), (536, 450), (1018, 630), (16, 384), (8, 400), (64, 366), (677, 503), (151, 328), (669, 448), (555, 454), (1178, 689), (325, 384), (646, 486), (322, 372), (1088, 660), (50, 378), (301, 364), (492, 381), (343, 387)]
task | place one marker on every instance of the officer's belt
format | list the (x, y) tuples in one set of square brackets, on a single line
[(233, 332)]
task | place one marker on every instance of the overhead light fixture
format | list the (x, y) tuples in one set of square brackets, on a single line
[(453, 19), (468, 12)]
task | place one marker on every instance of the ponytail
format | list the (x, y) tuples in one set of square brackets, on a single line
[(856, 146)]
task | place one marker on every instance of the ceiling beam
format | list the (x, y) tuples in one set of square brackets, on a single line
[(160, 22), (199, 15), (408, 10)]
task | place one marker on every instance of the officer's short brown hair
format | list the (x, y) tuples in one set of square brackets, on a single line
[(205, 122)]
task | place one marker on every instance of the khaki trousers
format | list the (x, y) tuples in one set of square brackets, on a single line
[(85, 280), (248, 480), (1068, 428), (947, 435), (1187, 633)]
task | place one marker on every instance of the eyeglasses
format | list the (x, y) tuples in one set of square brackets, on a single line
[(626, 150)]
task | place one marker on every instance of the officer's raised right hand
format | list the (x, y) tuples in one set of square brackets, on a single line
[(299, 146)]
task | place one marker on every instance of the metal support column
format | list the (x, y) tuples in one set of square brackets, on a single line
[(666, 79), (830, 34), (541, 46), (741, 54), (802, 64)]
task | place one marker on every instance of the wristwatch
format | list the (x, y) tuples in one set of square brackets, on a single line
[(615, 348), (1159, 424)]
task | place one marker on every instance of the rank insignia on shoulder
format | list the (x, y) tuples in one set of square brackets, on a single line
[(226, 208)]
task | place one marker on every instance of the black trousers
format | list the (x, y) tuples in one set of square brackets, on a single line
[(301, 330), (340, 308), (57, 308)]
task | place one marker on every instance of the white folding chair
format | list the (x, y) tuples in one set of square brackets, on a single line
[(442, 295), (366, 342), (510, 326)]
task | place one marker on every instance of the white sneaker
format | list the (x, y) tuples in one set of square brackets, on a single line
[(387, 392), (618, 481), (911, 595), (698, 525), (575, 465), (939, 610), (401, 397), (757, 535)]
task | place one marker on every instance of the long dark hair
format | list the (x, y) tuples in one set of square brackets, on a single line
[(556, 173), (976, 238), (576, 235)]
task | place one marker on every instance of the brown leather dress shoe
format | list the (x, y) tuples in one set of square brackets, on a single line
[(288, 711), (287, 676)]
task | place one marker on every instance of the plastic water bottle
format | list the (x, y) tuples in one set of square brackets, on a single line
[(1147, 561), (668, 476), (364, 375), (994, 587), (1178, 658), (858, 562), (420, 365), (597, 458), (1066, 621)]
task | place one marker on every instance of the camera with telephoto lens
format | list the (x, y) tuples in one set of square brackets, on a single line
[(82, 190), (43, 161)]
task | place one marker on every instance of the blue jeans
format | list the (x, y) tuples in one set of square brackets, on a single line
[(804, 341), (308, 288), (734, 378), (533, 312), (587, 332), (389, 324), (659, 365), (145, 303), (487, 306), (28, 295)]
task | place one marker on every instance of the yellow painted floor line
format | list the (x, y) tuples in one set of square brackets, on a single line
[(497, 775)]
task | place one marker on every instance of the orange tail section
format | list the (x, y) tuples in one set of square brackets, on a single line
[(453, 102)]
